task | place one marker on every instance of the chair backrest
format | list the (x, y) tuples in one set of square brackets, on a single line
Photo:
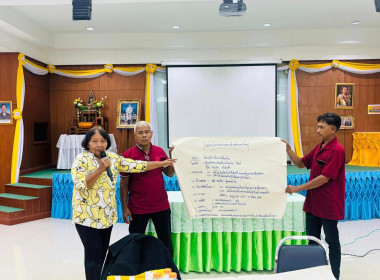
[(294, 257)]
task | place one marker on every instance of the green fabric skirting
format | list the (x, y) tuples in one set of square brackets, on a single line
[(227, 251)]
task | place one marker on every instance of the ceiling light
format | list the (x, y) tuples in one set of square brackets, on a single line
[(355, 22), (89, 28), (349, 42), (266, 24), (175, 26), (232, 8)]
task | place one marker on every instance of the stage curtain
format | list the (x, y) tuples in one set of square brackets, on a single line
[(18, 141), (366, 149), (293, 111)]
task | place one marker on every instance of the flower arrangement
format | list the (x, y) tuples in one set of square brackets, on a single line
[(92, 104), (78, 104), (99, 103)]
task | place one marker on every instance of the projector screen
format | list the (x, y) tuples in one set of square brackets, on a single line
[(226, 100)]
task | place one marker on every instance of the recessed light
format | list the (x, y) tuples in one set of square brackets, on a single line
[(266, 24), (89, 28), (175, 26), (356, 22), (349, 42)]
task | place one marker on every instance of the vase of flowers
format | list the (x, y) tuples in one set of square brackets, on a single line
[(78, 104), (100, 104)]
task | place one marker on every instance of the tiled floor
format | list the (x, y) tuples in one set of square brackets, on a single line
[(51, 249)]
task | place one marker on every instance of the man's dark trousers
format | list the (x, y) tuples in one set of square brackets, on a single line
[(330, 227)]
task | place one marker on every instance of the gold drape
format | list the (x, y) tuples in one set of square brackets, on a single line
[(366, 149)]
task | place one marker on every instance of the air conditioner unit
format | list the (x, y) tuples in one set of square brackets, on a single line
[(82, 9), (232, 8)]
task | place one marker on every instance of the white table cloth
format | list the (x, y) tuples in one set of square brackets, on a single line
[(69, 146)]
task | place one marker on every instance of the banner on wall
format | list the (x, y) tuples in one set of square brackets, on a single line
[(234, 177), (373, 109)]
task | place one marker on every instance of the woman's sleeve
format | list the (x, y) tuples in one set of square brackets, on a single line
[(79, 172), (131, 166)]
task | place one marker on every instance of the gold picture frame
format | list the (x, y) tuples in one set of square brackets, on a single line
[(344, 96), (348, 122), (6, 113), (128, 113)]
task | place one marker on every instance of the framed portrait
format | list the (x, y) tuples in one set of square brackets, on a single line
[(128, 113), (6, 112), (344, 96), (373, 109), (348, 122)]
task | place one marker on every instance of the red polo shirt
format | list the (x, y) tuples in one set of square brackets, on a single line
[(147, 192), (327, 201)]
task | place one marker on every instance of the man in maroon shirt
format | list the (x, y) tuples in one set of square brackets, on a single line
[(324, 204), (147, 195)]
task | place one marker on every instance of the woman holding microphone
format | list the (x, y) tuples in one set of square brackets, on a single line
[(94, 196)]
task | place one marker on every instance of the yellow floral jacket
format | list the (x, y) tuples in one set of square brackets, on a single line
[(96, 207)]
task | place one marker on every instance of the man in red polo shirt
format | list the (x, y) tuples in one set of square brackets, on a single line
[(324, 204), (147, 195)]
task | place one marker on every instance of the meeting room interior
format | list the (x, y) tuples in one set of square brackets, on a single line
[(241, 73)]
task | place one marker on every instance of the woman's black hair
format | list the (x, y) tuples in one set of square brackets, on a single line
[(91, 132)]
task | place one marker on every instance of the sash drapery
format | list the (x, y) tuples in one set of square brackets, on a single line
[(293, 110), (18, 142)]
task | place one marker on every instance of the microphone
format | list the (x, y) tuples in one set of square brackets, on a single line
[(103, 155)]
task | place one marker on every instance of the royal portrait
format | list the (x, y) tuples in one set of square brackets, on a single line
[(344, 96), (128, 113)]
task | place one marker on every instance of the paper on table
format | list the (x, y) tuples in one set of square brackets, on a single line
[(234, 177)]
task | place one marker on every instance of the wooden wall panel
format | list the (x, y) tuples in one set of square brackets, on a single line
[(63, 91), (8, 74), (317, 96), (36, 109)]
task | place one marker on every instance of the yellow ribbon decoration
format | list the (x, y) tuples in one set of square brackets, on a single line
[(150, 68), (108, 68), (294, 114), (21, 59), (294, 64), (314, 66), (51, 68), (335, 63), (361, 66), (82, 72), (129, 69), (17, 114)]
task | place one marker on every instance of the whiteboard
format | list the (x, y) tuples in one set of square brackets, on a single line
[(220, 101)]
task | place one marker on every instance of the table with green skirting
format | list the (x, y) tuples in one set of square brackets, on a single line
[(225, 244)]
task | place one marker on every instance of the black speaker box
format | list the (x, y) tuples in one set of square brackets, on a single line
[(82, 9), (377, 5)]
